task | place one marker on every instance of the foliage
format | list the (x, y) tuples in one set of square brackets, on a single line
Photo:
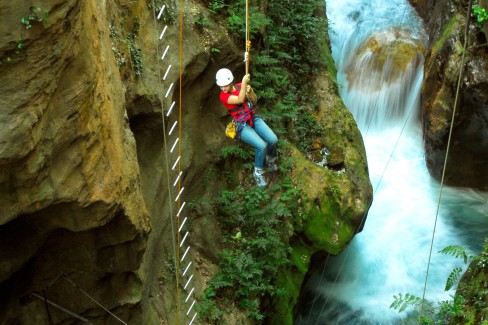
[(135, 52), (235, 151), (119, 57), (168, 15), (169, 271), (480, 14), (118, 41), (201, 22), (254, 225), (216, 6), (459, 309), (35, 15), (307, 131)]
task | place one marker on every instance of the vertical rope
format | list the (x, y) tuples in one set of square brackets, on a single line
[(248, 41), (461, 70), (170, 201), (178, 265)]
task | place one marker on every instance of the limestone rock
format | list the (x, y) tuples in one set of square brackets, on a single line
[(70, 199), (467, 162)]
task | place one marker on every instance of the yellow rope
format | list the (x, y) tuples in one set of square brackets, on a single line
[(248, 41), (461, 69)]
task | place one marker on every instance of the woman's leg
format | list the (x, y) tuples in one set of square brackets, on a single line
[(249, 136), (265, 132)]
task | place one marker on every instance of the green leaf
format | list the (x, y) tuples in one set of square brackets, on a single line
[(456, 251), (453, 277)]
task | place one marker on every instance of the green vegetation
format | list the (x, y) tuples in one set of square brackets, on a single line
[(168, 16), (130, 42), (169, 271), (36, 14), (201, 22), (135, 52), (255, 227), (480, 14), (469, 301), (216, 6), (258, 271)]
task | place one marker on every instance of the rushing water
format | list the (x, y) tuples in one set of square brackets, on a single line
[(390, 256)]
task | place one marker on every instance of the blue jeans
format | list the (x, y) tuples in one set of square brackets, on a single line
[(262, 138)]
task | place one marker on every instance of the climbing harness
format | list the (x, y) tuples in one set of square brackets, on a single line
[(242, 112)]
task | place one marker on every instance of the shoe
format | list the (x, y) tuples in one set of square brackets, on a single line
[(271, 163), (259, 177)]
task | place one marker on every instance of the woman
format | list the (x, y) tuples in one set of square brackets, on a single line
[(250, 128)]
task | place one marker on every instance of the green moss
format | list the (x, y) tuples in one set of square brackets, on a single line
[(329, 61), (300, 257), (448, 31), (290, 280), (320, 226)]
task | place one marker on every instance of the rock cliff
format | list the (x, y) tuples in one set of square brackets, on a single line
[(85, 207), (467, 160)]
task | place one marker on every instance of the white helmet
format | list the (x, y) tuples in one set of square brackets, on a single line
[(224, 77)]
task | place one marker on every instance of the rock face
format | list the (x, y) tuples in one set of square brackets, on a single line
[(85, 207), (468, 154), (70, 198)]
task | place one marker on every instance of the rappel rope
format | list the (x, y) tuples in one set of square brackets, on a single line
[(178, 243), (49, 302), (248, 39), (461, 70)]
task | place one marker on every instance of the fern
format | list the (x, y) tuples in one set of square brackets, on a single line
[(453, 278), (456, 251), (402, 302)]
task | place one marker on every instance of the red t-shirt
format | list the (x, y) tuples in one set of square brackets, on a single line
[(224, 97), (239, 115)]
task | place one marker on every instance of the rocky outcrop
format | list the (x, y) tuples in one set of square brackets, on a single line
[(471, 291), (86, 213), (70, 197), (468, 152)]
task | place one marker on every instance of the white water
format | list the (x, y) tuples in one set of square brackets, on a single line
[(390, 256)]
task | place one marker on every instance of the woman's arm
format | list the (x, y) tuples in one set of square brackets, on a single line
[(236, 100)]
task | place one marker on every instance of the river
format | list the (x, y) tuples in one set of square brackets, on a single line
[(391, 255)]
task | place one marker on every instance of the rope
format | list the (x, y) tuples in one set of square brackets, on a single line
[(248, 41), (67, 278), (47, 301), (178, 261), (46, 305), (170, 201), (177, 241), (461, 70)]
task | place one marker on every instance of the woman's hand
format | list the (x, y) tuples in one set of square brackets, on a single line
[(246, 79)]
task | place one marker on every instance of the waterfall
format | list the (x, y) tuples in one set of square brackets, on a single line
[(390, 256)]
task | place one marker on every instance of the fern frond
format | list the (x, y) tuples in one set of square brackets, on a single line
[(456, 251), (453, 277), (402, 302)]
